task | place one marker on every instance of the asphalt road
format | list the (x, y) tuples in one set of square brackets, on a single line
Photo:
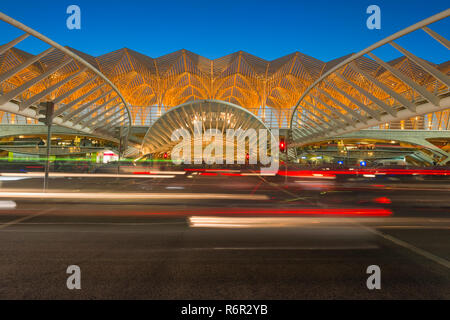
[(255, 248)]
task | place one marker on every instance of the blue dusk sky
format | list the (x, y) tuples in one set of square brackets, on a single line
[(269, 29)]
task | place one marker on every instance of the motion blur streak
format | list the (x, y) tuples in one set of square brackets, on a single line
[(266, 174), (264, 212), (227, 172), (349, 212), (160, 172), (331, 173), (7, 205), (211, 170), (130, 196), (383, 200), (13, 178), (85, 175), (249, 222)]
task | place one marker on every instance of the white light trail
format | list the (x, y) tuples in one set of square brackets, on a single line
[(130, 196), (7, 205)]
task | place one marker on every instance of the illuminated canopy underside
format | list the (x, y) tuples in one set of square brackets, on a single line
[(334, 97), (211, 114), (239, 78), (364, 91), (84, 99)]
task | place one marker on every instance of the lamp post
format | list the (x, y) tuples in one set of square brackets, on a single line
[(121, 146), (47, 110)]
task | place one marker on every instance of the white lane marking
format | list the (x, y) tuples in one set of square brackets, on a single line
[(131, 196), (11, 223), (7, 205), (414, 249)]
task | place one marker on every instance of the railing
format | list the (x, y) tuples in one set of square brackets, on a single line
[(273, 119)]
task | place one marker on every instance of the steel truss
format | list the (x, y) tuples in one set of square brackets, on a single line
[(84, 98), (364, 91)]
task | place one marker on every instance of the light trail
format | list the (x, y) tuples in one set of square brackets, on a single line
[(7, 205), (371, 172), (377, 212), (86, 175), (255, 222), (160, 172), (130, 196)]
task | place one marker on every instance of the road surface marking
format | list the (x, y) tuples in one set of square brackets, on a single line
[(279, 188), (11, 223), (414, 249)]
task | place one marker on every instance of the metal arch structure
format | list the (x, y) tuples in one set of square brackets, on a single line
[(84, 99), (269, 89), (364, 91), (213, 114), (182, 76), (152, 86)]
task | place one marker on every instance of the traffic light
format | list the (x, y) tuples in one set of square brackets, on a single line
[(45, 112), (247, 157), (165, 155), (282, 145)]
